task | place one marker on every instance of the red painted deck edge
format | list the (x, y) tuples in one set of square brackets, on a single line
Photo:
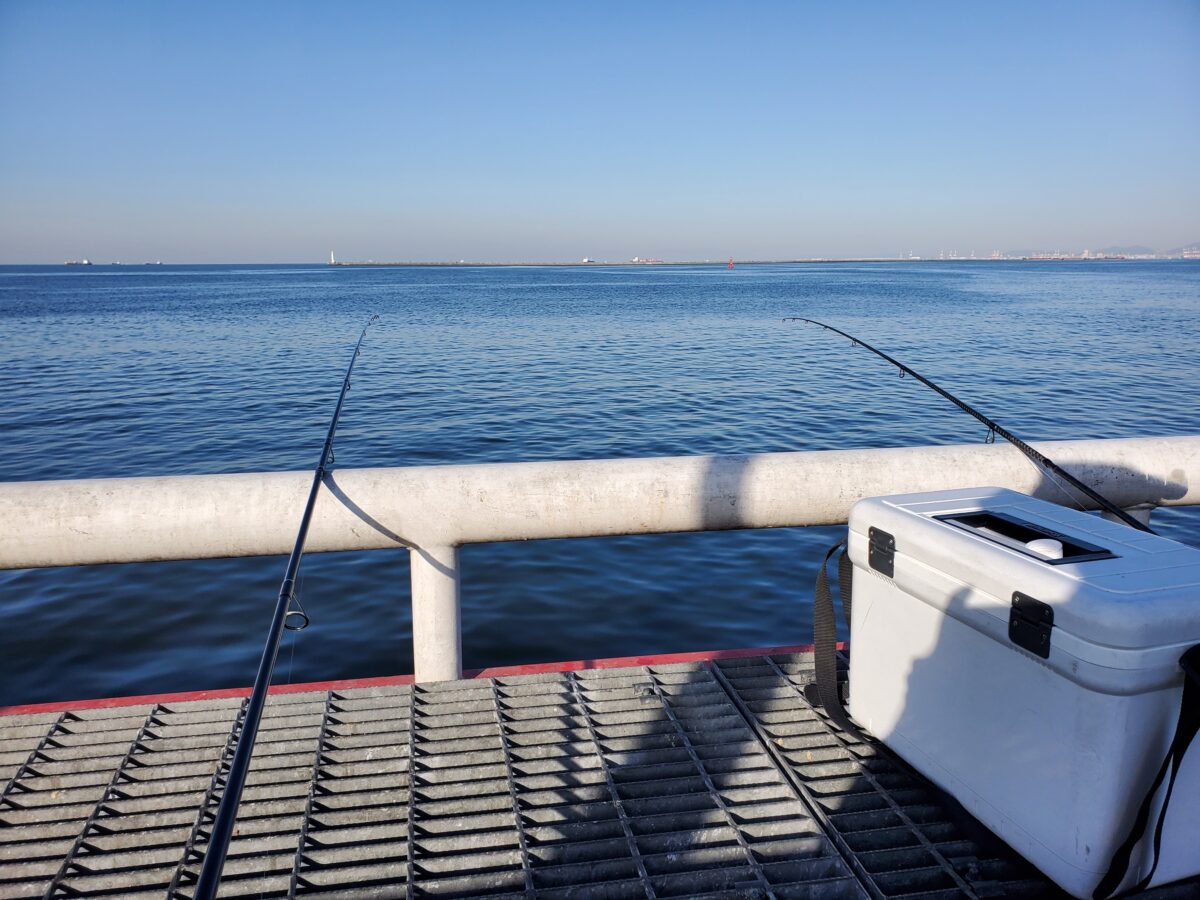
[(653, 659)]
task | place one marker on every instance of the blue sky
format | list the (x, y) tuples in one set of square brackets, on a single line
[(524, 131)]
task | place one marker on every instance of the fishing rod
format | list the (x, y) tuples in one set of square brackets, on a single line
[(222, 829), (994, 429)]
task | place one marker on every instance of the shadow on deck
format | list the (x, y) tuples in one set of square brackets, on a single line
[(699, 779)]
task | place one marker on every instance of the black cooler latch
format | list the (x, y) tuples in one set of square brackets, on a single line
[(882, 554), (1029, 624)]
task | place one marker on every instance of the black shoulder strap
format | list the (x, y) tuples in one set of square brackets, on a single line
[(825, 640), (1189, 724)]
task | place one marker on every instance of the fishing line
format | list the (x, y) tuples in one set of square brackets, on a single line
[(1054, 472), (296, 637), (292, 657)]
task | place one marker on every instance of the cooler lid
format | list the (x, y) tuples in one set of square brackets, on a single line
[(1107, 584)]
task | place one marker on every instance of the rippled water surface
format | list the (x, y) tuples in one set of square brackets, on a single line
[(130, 371)]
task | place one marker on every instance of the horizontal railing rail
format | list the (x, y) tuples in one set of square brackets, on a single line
[(432, 510)]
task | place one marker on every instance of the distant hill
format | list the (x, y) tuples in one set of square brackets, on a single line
[(1178, 251), (1132, 250)]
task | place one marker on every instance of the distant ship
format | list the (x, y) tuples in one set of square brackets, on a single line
[(78, 262)]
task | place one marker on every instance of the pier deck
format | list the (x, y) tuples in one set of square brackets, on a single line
[(706, 778)]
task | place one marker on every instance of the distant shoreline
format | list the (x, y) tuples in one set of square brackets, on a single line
[(721, 264), (629, 264)]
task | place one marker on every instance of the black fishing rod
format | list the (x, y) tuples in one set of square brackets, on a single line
[(993, 429), (222, 829)]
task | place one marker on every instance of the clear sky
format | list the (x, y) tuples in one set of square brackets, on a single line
[(223, 131)]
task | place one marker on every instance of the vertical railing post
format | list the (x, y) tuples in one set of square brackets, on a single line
[(437, 631)]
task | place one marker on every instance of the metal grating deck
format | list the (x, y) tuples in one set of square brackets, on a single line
[(710, 779)]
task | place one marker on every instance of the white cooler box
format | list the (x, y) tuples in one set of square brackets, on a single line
[(1042, 693)]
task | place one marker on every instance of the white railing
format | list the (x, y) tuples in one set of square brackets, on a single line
[(432, 510)]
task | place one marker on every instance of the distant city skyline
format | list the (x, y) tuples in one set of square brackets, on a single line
[(1190, 251), (140, 132)]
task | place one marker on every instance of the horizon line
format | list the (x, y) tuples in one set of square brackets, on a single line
[(642, 263)]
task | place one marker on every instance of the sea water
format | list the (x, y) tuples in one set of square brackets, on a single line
[(163, 370)]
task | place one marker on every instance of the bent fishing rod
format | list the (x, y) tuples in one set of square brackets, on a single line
[(222, 829), (994, 428)]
